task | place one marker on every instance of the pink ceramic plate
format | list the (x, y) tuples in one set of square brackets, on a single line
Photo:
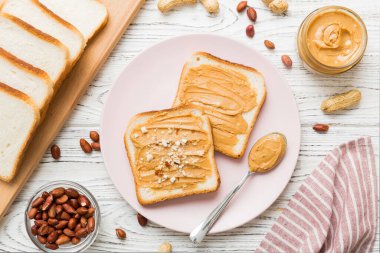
[(150, 82)]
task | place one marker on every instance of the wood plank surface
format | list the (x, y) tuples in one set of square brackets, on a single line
[(151, 27), (121, 13)]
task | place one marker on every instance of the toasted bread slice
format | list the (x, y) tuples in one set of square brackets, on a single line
[(19, 117), (34, 47), (171, 154), (23, 77), (41, 18), (88, 16), (230, 94)]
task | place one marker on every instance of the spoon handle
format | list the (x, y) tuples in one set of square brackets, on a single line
[(202, 229)]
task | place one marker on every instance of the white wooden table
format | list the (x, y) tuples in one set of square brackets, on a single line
[(309, 90)]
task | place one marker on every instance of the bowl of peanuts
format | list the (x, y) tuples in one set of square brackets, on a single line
[(62, 216)]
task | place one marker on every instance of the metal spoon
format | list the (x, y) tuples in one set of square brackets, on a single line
[(265, 155)]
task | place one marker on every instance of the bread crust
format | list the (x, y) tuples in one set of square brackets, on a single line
[(33, 71), (26, 66), (259, 105), (184, 194), (25, 98), (103, 24), (64, 23), (47, 38)]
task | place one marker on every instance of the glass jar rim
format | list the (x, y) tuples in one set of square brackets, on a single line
[(354, 15)]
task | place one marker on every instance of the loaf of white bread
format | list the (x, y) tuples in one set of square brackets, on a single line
[(40, 41)]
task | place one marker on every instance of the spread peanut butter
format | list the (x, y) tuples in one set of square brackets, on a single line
[(171, 150), (267, 152), (223, 95), (335, 38)]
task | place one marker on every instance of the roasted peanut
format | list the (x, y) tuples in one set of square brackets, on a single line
[(72, 193), (142, 220), (34, 230), (94, 135), (74, 203), (82, 210), (52, 237), (252, 14), (83, 222), (250, 31), (120, 233), (83, 201), (72, 223), (38, 201), (69, 232), (269, 44), (68, 208), (61, 224), (58, 192), (241, 6), (62, 239), (43, 230), (81, 233), (95, 146), (287, 61), (90, 224), (65, 216), (61, 200), (52, 222), (32, 213), (321, 127), (51, 246), (47, 203), (75, 240), (55, 152), (41, 239), (86, 147)]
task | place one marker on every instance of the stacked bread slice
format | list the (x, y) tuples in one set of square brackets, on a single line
[(39, 45), (19, 117)]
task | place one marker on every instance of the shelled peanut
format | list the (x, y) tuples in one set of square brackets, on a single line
[(61, 216)]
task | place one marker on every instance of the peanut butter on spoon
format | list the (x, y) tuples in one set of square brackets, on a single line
[(265, 155), (267, 152)]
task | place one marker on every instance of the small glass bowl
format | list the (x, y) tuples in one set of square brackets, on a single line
[(68, 247), (309, 61)]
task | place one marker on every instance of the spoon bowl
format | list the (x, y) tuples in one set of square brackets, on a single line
[(267, 152)]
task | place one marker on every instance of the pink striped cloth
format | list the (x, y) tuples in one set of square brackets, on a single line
[(335, 209)]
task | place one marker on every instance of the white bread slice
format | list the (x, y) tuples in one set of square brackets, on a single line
[(23, 77), (34, 47), (41, 18), (211, 181), (19, 117), (88, 16), (257, 83)]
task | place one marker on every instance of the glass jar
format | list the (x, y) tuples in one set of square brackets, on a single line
[(68, 247), (309, 59)]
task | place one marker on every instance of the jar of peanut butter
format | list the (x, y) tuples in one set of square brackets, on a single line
[(331, 40)]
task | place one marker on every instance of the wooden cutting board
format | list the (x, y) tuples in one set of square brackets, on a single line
[(121, 13)]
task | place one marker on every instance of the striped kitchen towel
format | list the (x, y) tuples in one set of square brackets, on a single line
[(335, 209)]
